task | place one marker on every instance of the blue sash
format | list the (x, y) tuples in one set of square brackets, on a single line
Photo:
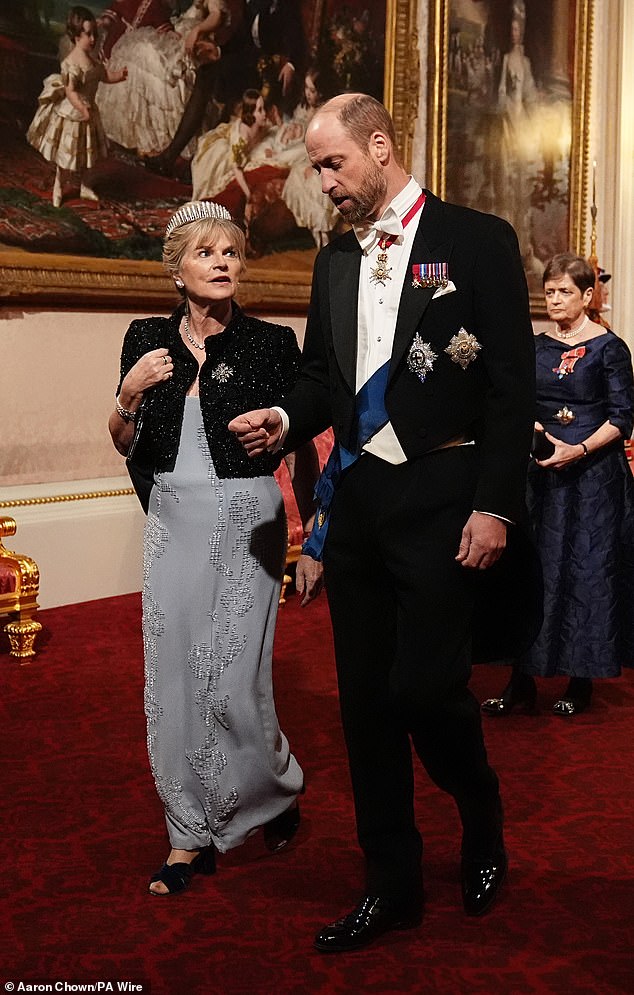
[(371, 416)]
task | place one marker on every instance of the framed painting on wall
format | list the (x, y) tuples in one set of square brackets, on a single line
[(106, 252), (508, 119)]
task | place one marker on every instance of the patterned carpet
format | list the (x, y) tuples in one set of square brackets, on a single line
[(83, 831), (128, 221), (134, 206)]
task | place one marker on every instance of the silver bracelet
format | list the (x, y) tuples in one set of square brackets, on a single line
[(124, 412)]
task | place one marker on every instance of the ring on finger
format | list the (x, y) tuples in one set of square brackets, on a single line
[(165, 360)]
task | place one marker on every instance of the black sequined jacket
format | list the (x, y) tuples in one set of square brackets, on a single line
[(251, 364)]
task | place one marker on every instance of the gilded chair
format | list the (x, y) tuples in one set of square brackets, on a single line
[(19, 585)]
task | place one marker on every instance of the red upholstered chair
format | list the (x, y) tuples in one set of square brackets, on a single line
[(323, 443), (19, 585)]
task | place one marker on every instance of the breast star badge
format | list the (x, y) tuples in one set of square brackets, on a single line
[(463, 348), (421, 358)]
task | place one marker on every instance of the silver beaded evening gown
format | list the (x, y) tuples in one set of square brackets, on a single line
[(213, 558)]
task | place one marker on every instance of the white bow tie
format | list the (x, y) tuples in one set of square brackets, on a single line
[(369, 234)]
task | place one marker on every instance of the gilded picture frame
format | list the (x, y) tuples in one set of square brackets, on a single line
[(509, 133), (54, 280)]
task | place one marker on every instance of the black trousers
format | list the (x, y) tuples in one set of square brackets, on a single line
[(402, 611)]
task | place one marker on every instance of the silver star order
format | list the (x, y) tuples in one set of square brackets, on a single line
[(421, 358), (222, 373)]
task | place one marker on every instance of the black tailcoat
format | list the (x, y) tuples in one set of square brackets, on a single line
[(491, 401)]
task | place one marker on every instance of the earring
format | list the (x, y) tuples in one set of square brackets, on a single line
[(179, 283)]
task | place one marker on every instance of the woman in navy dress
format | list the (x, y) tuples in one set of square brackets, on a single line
[(581, 500)]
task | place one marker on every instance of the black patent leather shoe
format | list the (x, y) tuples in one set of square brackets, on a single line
[(576, 698), (570, 706), (372, 917), (518, 694), (482, 878)]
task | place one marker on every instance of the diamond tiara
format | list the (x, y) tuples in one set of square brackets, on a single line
[(196, 211)]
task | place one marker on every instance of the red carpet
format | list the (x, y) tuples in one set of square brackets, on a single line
[(84, 829)]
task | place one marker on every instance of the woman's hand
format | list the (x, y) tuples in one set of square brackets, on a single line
[(191, 39), (152, 368), (309, 578), (564, 454)]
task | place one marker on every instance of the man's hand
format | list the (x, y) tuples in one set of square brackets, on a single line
[(258, 431), (483, 541), (309, 579)]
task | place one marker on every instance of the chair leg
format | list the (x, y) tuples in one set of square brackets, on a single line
[(285, 582), (22, 637)]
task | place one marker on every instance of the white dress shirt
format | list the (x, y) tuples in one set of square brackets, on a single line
[(378, 303), (378, 306)]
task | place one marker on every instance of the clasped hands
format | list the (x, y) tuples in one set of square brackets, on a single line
[(258, 431)]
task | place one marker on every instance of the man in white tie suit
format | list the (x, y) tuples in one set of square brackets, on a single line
[(419, 351)]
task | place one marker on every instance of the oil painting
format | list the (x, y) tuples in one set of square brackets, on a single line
[(175, 101)]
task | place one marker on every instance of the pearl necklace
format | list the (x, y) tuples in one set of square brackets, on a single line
[(571, 334), (190, 338)]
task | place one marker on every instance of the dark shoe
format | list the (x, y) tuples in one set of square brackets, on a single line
[(177, 877), (520, 693), (371, 918), (279, 832), (159, 164), (482, 878), (570, 706), (576, 698)]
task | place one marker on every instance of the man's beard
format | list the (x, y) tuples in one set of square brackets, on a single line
[(371, 192)]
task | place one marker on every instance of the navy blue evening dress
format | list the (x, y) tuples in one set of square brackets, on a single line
[(583, 515)]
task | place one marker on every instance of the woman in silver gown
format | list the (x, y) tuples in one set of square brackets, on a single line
[(214, 550)]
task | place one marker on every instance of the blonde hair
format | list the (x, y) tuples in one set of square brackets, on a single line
[(203, 231)]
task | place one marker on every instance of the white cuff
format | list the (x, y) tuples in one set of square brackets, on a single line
[(285, 427), (492, 515)]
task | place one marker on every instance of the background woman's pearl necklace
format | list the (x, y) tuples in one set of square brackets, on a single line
[(571, 334)]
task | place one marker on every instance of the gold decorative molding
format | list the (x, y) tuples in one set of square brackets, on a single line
[(580, 146), (63, 498), (43, 279), (402, 71)]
